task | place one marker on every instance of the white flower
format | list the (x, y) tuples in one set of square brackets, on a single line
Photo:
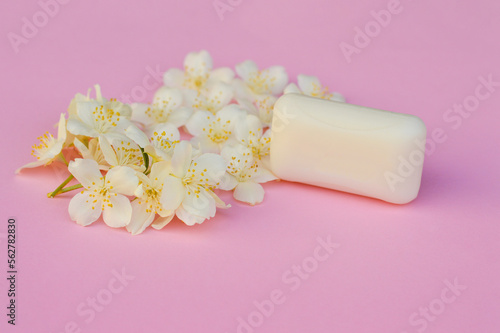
[(122, 153), (166, 108), (255, 82), (79, 98), (211, 132), (94, 119), (104, 194), (211, 100), (147, 204), (189, 186), (85, 98), (244, 175), (311, 86), (92, 152), (49, 147), (160, 145), (250, 134), (262, 107), (198, 73)]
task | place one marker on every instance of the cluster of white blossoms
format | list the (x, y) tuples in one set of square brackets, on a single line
[(206, 130)]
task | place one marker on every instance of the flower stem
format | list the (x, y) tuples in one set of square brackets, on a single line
[(60, 187), (63, 159), (71, 188)]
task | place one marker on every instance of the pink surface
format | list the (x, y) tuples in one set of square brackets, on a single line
[(393, 264)]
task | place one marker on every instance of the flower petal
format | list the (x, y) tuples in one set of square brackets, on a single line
[(220, 95), (292, 89), (233, 113), (85, 111), (169, 98), (76, 127), (161, 221), (86, 171), (191, 97), (200, 204), (107, 151), (117, 212), (140, 113), (308, 84), (139, 191), (188, 218), (248, 105), (249, 192), (265, 162), (205, 144), (280, 77), (159, 171), (124, 109), (47, 157), (246, 69), (180, 116), (198, 122), (228, 182), (82, 210), (117, 135), (138, 136), (263, 175), (251, 127), (174, 77), (82, 149), (222, 74), (241, 90), (230, 151), (167, 131), (337, 97), (123, 180), (98, 94), (61, 128), (181, 159), (72, 104), (213, 163), (173, 193), (218, 201), (141, 217), (265, 105), (198, 63)]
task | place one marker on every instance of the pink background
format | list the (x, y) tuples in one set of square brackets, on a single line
[(392, 260)]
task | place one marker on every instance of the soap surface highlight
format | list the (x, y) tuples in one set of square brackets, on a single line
[(349, 148)]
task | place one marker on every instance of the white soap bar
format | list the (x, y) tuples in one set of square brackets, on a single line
[(349, 148)]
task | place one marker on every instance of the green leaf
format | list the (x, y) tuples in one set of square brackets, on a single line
[(145, 157)]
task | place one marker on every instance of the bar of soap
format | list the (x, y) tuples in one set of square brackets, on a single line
[(355, 149)]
